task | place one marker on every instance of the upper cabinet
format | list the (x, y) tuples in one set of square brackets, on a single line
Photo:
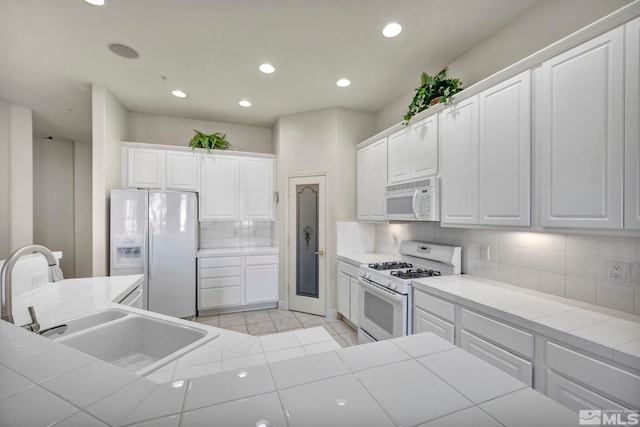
[(413, 152), (632, 127), (236, 188), (371, 181), (159, 169), (486, 156), (582, 135), (145, 168), (459, 143)]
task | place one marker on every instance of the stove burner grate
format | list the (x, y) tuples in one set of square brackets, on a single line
[(414, 273), (395, 265)]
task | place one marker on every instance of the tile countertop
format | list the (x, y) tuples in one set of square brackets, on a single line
[(366, 258), (419, 379), (258, 250), (605, 332)]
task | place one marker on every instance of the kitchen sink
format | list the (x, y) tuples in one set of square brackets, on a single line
[(138, 343)]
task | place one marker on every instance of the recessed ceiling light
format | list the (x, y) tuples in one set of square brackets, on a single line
[(267, 68), (123, 51), (392, 30), (343, 82), (245, 103), (95, 2), (178, 93)]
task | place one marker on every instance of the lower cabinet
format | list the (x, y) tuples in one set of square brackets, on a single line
[(425, 322), (347, 292), (431, 314), (226, 283)]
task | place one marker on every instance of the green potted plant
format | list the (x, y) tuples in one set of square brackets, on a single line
[(432, 90), (215, 141)]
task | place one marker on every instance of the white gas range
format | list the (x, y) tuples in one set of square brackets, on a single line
[(385, 302)]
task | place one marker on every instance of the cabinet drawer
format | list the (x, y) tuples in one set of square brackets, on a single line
[(348, 269), (501, 359), (620, 385), (434, 305), (220, 262), (506, 336), (206, 273), (211, 298), (261, 259), (220, 282), (425, 322), (576, 397)]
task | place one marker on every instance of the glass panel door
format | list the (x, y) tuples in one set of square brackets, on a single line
[(307, 240)]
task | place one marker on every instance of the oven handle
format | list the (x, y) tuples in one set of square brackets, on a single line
[(388, 295)]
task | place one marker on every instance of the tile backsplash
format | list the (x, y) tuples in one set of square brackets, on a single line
[(238, 234), (568, 265)]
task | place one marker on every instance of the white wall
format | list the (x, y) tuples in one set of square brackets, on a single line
[(546, 22), (109, 128), (82, 208), (320, 142), (53, 199), (166, 130), (16, 178)]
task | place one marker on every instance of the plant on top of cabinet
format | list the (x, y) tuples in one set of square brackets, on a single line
[(438, 88), (215, 141)]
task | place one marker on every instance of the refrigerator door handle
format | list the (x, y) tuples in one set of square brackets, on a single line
[(150, 250)]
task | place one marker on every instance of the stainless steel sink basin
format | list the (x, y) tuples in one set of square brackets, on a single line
[(132, 341)]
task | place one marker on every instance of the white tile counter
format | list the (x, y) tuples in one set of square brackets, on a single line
[(608, 333), (247, 251)]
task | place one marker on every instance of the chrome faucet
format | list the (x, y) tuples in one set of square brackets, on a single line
[(55, 274)]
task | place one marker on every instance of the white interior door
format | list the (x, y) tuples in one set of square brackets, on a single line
[(306, 237)]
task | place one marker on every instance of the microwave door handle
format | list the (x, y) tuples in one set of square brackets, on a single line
[(414, 203)]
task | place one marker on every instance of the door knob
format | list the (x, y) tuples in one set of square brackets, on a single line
[(319, 253)]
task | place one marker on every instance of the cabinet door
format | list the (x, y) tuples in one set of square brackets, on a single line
[(261, 283), (219, 188), (505, 152), (145, 168), (423, 146), (425, 322), (632, 127), (354, 291), (459, 184), (362, 184), (399, 157), (258, 189), (505, 361), (182, 171), (582, 131), (576, 397), (344, 295), (377, 177)]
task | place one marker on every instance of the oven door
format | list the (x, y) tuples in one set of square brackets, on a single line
[(382, 313)]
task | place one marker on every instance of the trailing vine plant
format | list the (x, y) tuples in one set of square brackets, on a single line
[(433, 90)]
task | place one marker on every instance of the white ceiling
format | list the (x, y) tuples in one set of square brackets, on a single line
[(52, 50)]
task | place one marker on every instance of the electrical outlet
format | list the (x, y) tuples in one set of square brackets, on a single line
[(485, 252), (617, 271)]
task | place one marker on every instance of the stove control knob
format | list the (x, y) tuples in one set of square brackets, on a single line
[(394, 286), (367, 276), (361, 274)]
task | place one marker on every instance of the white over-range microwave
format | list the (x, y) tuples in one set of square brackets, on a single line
[(415, 201)]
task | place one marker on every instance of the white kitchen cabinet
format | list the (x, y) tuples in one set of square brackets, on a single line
[(413, 152), (426, 322), (145, 168), (371, 181), (576, 397), (219, 187), (347, 292), (182, 170), (459, 144), (258, 189), (505, 153), (632, 126), (582, 135), (261, 279), (431, 314)]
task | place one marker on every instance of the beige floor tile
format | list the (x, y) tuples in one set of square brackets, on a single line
[(277, 314), (310, 322), (257, 316), (287, 324), (237, 328), (350, 337), (341, 327), (232, 319), (261, 328), (208, 320), (337, 338)]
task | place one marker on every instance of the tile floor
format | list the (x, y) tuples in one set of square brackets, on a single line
[(271, 321)]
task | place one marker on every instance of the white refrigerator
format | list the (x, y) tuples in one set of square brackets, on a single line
[(155, 233)]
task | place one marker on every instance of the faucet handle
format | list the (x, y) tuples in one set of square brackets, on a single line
[(55, 273), (34, 326)]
